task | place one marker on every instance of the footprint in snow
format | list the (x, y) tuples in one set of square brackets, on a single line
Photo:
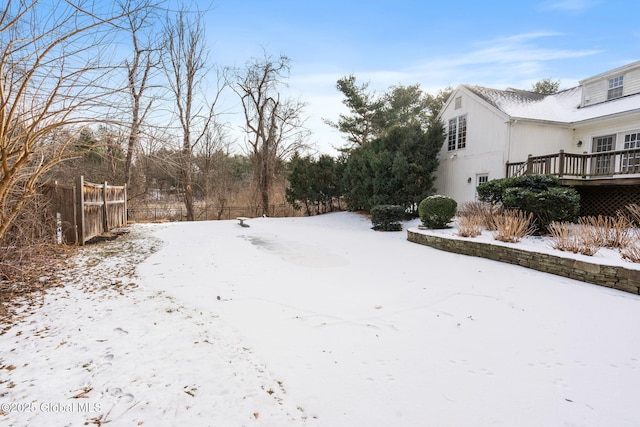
[(120, 331), (117, 394)]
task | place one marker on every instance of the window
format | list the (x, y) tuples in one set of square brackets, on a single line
[(481, 178), (615, 87), (457, 136), (451, 138), (462, 131), (603, 143), (631, 161), (458, 102), (602, 162)]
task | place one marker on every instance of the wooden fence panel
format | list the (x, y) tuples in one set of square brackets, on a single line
[(87, 210), (102, 208), (62, 206)]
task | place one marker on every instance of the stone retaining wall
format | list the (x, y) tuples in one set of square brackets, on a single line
[(610, 276)]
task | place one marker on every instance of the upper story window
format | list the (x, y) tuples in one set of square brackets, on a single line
[(615, 87), (457, 135)]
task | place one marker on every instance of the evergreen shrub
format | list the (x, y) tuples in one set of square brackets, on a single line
[(540, 195), (437, 211), (387, 217)]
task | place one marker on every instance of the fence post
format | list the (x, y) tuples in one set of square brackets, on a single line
[(126, 212), (75, 215), (105, 210), (80, 199)]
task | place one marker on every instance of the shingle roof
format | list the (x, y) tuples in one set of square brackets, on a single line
[(563, 107)]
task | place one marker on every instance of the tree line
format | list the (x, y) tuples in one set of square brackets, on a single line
[(391, 156), (127, 92)]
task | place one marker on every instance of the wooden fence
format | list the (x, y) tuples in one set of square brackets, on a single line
[(86, 210)]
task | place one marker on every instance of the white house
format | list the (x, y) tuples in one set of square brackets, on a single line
[(588, 135)]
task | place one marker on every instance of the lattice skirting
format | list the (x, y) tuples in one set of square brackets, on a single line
[(607, 200)]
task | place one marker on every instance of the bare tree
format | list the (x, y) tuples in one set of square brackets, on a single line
[(274, 126), (140, 67), (185, 64), (53, 83), (210, 158)]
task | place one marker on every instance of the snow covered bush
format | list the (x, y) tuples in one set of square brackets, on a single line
[(437, 211), (387, 217)]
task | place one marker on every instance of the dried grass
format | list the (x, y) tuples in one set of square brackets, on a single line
[(631, 252), (633, 213), (485, 211), (576, 238), (470, 226), (609, 232), (513, 225)]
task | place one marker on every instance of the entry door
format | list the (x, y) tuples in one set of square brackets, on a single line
[(603, 163)]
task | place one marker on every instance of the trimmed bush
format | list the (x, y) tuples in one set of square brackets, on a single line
[(540, 195), (387, 217), (437, 211), (494, 190)]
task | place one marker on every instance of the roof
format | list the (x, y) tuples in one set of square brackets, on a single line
[(610, 73), (563, 107)]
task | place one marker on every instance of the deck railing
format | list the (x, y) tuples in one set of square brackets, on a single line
[(584, 166)]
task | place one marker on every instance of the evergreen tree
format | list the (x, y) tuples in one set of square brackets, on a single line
[(396, 169)]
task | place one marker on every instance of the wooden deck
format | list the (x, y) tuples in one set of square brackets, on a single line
[(621, 167)]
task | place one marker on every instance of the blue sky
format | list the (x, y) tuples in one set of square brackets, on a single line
[(436, 44)]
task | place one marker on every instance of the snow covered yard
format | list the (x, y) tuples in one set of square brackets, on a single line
[(316, 322)]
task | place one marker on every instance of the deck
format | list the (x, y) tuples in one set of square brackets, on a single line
[(621, 167)]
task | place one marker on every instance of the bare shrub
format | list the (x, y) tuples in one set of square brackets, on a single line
[(482, 210), (29, 257), (470, 226), (610, 232), (576, 238), (512, 225)]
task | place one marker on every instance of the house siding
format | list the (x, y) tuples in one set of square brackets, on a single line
[(539, 139), (486, 145), (595, 89), (508, 126), (618, 126)]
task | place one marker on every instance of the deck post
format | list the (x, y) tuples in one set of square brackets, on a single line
[(529, 165), (561, 164)]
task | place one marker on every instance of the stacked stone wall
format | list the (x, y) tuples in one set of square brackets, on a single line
[(616, 277)]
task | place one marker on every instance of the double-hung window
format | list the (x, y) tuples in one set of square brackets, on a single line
[(615, 87), (631, 161), (603, 159), (457, 135)]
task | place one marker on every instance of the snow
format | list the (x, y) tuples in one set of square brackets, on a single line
[(316, 322), (563, 106), (538, 244)]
